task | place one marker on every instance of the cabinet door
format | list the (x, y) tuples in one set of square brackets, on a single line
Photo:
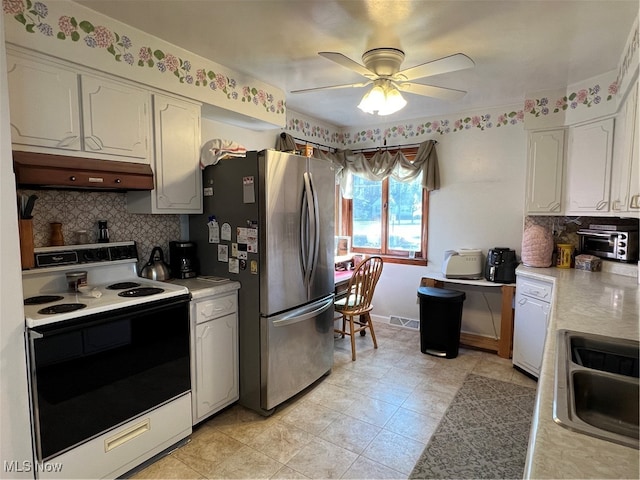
[(589, 168), (116, 119), (625, 180), (530, 329), (216, 365), (177, 156), (44, 103), (545, 165)]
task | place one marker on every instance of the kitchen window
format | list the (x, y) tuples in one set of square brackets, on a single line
[(387, 218)]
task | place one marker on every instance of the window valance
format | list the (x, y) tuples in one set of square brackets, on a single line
[(380, 165)]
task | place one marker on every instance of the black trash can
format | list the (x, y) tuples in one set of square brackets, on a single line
[(440, 321)]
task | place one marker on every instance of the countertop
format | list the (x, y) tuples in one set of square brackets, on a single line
[(594, 302), (201, 287)]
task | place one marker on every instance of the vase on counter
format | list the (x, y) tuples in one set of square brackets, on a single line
[(56, 238)]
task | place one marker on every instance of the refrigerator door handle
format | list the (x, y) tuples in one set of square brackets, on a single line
[(304, 254), (316, 227), (303, 313), (308, 230)]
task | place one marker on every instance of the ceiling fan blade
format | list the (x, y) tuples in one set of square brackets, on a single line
[(431, 91), (333, 87), (452, 63), (346, 62)]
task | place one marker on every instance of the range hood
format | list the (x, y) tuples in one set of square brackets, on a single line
[(41, 170)]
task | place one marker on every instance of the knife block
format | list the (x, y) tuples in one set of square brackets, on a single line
[(25, 229)]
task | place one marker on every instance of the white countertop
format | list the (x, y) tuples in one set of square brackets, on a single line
[(594, 302), (201, 287)]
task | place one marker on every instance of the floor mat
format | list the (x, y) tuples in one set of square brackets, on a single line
[(484, 433)]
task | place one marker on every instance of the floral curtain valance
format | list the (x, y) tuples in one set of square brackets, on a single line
[(381, 165)]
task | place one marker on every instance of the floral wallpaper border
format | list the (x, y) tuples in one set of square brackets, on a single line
[(34, 17), (581, 98)]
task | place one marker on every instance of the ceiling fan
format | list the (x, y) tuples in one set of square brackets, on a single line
[(382, 69)]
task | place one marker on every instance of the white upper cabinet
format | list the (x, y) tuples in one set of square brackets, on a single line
[(59, 109), (625, 178), (44, 103), (545, 163), (589, 168), (177, 174), (116, 118)]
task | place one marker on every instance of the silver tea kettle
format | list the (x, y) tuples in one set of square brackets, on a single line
[(156, 268)]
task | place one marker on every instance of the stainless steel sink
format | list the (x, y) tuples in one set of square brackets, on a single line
[(597, 390)]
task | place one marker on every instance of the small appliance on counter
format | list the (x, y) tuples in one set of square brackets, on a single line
[(612, 242), (183, 259), (156, 268), (501, 265), (463, 263)]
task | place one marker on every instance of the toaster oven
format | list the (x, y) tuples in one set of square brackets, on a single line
[(621, 245)]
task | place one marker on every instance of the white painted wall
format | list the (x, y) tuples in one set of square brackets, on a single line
[(480, 205), (15, 430)]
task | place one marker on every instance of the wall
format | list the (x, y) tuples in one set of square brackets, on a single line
[(480, 205), (82, 210), (15, 431)]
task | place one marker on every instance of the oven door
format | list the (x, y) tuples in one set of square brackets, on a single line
[(91, 374), (600, 244)]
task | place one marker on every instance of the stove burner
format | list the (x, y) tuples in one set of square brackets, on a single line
[(141, 292), (61, 308), (123, 285), (42, 299)]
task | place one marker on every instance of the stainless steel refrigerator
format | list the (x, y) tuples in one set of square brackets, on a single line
[(273, 232)]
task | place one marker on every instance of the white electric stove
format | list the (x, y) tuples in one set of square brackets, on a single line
[(112, 282)]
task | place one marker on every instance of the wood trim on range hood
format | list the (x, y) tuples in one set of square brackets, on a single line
[(60, 171)]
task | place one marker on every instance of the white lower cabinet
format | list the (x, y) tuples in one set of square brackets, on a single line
[(116, 452), (533, 304), (214, 373)]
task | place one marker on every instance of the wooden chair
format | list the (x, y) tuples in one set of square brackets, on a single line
[(357, 302)]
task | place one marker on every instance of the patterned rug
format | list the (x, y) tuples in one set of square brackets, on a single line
[(484, 433)]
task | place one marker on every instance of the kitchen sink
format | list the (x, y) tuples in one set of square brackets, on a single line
[(597, 389)]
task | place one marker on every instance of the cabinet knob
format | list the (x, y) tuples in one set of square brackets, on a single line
[(118, 180), (72, 178)]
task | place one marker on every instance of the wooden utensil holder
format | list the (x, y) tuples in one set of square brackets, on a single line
[(25, 229)]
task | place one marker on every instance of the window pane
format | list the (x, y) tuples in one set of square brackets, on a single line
[(367, 208), (405, 214)]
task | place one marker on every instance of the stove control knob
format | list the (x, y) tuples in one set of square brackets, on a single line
[(102, 254), (88, 256)]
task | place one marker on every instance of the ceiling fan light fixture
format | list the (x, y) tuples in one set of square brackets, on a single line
[(382, 99), (394, 102), (372, 100)]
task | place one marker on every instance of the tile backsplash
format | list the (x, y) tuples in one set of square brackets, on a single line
[(78, 210)]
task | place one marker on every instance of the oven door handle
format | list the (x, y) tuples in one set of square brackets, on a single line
[(594, 234)]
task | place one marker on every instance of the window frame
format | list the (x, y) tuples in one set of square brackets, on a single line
[(345, 224)]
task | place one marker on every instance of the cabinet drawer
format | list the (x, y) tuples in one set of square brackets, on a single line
[(216, 307), (534, 288)]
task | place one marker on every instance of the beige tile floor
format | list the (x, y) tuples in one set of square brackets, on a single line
[(371, 418)]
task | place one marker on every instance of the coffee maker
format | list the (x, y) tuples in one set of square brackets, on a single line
[(501, 265), (183, 259)]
